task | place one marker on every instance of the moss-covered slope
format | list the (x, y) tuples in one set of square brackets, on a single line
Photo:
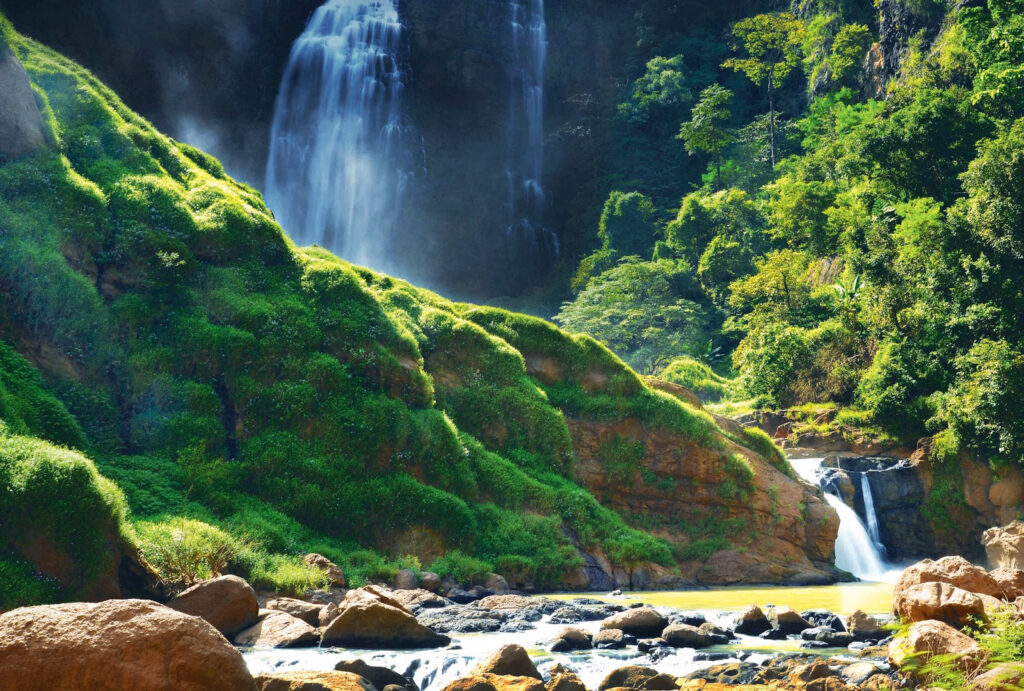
[(215, 371)]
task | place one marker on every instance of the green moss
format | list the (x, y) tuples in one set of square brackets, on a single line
[(699, 378)]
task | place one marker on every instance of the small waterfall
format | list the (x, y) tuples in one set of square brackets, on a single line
[(856, 550), (339, 165), (869, 513), (526, 198)]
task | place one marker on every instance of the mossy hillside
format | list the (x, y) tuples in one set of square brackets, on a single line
[(221, 374)]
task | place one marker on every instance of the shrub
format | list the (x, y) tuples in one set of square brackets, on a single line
[(463, 568)]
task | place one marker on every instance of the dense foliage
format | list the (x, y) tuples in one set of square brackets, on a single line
[(856, 237)]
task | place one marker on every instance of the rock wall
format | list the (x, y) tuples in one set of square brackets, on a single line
[(21, 125)]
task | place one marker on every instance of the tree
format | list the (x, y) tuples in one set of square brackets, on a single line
[(662, 87), (706, 131), (772, 43), (628, 224)]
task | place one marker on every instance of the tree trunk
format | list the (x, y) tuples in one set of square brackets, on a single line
[(771, 120)]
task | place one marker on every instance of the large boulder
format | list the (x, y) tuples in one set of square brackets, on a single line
[(406, 579), (498, 584), (938, 601), (1011, 581), (312, 681), (430, 581), (495, 682), (864, 627), (117, 644), (366, 619), (751, 621), (21, 124), (420, 598), (306, 611), (1008, 676), (569, 639), (511, 661), (923, 639), (380, 677), (334, 573), (227, 602), (640, 621), (686, 636), (1004, 546), (637, 677), (786, 620), (276, 629), (956, 571)]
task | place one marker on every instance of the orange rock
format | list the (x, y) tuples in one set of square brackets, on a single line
[(367, 622), (639, 621), (306, 611), (116, 645), (938, 601), (333, 571), (227, 602), (926, 638), (1011, 581), (509, 660), (277, 629), (495, 682), (956, 571), (313, 681)]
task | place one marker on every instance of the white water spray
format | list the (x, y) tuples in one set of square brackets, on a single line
[(339, 171), (869, 513)]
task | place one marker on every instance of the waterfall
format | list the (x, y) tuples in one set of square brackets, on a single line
[(869, 514), (856, 551), (339, 167), (526, 198)]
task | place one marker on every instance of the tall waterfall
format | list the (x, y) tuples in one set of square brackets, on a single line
[(526, 199), (339, 167), (856, 550), (870, 515)]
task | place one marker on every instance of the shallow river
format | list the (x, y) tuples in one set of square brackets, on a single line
[(434, 669)]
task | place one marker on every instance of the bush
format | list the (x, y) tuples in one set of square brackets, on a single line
[(698, 378), (464, 569)]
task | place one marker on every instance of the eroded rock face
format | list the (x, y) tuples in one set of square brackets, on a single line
[(227, 602), (1004, 546), (21, 124), (117, 644)]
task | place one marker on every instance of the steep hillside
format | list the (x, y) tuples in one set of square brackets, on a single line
[(294, 402)]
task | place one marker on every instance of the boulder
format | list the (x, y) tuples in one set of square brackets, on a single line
[(1011, 581), (822, 617), (828, 636), (956, 571), (509, 660), (641, 621), (1004, 546), (227, 602), (306, 611), (751, 621), (686, 636), (569, 639), (21, 123), (333, 571), (1008, 676), (637, 677), (430, 581), (380, 677), (926, 638), (564, 680), (498, 584), (859, 672), (865, 627), (312, 681), (367, 622), (328, 613), (495, 682), (938, 601), (406, 579), (691, 618), (609, 639), (420, 598), (462, 620), (117, 644), (276, 629), (566, 615), (786, 620)]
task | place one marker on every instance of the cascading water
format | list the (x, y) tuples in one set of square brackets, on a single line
[(526, 132), (869, 513), (856, 551), (339, 167)]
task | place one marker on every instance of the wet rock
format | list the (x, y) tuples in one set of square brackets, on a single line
[(516, 626), (306, 611), (822, 617), (333, 571), (117, 644), (646, 645), (406, 579), (1004, 547), (227, 602), (276, 629), (367, 621), (635, 677), (686, 636), (825, 634), (380, 677), (642, 621), (519, 606), (938, 601), (566, 615), (702, 656), (691, 618), (815, 645), (955, 571), (312, 681), (462, 620), (717, 635), (495, 682), (751, 621), (609, 639), (569, 639), (818, 669), (732, 673), (786, 620), (927, 638), (430, 581), (480, 592), (462, 597), (864, 627), (773, 635), (509, 660)]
